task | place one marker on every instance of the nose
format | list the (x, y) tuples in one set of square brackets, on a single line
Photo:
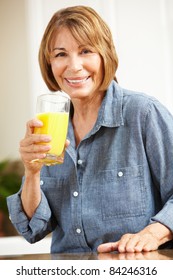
[(75, 63)]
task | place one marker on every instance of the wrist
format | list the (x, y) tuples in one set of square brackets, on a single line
[(30, 174), (160, 231)]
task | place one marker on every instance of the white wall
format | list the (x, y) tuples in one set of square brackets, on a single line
[(143, 35), (145, 47), (14, 83)]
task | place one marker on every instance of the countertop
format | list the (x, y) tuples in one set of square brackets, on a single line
[(154, 255)]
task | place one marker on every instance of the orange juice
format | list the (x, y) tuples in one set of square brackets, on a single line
[(55, 124)]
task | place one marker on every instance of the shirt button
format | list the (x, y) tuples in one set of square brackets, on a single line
[(120, 174), (79, 161), (75, 194), (41, 182), (78, 230)]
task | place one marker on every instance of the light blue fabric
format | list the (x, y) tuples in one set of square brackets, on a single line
[(118, 180)]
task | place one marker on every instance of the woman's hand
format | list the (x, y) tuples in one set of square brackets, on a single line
[(148, 239), (30, 147)]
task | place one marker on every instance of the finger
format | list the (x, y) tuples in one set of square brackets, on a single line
[(31, 158), (150, 246), (33, 151), (29, 154), (34, 139), (67, 143), (131, 243), (139, 246), (123, 243), (107, 247), (146, 243), (31, 125), (35, 148)]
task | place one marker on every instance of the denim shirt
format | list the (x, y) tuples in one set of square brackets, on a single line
[(118, 180)]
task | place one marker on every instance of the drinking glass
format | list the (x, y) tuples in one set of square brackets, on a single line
[(53, 110)]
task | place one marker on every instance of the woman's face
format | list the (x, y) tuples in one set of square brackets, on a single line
[(78, 69)]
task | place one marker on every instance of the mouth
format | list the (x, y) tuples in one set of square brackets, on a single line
[(77, 81)]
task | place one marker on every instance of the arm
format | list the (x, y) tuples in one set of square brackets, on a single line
[(29, 210), (29, 150), (148, 239), (158, 142), (31, 194)]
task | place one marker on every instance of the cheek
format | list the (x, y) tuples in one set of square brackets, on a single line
[(57, 70), (54, 69), (100, 69), (97, 64)]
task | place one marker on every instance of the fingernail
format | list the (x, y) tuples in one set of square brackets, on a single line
[(68, 141), (42, 156), (47, 138), (47, 147), (39, 122)]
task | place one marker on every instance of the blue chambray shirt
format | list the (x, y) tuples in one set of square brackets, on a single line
[(118, 180)]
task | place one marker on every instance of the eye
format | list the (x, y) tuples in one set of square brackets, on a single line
[(86, 51), (60, 54)]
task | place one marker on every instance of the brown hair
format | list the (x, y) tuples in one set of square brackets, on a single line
[(86, 26)]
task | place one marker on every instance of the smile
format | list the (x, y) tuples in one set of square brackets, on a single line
[(77, 81)]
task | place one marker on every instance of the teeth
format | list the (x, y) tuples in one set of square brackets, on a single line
[(77, 81)]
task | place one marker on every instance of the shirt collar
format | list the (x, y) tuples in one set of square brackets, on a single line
[(110, 113)]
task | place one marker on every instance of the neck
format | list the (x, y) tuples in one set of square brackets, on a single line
[(85, 116)]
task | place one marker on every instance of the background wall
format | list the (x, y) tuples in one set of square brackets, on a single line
[(143, 36), (14, 82)]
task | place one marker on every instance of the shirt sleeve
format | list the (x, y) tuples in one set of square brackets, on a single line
[(159, 149), (35, 229)]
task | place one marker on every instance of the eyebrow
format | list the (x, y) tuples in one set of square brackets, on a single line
[(60, 49), (63, 49)]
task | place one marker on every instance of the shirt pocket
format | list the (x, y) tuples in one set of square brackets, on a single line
[(123, 192)]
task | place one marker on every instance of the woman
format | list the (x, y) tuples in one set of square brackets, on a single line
[(114, 190)]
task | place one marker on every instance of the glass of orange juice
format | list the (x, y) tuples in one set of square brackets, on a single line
[(53, 110)]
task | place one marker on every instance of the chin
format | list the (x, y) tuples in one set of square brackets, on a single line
[(77, 93)]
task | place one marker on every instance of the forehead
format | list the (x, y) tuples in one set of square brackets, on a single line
[(64, 35)]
